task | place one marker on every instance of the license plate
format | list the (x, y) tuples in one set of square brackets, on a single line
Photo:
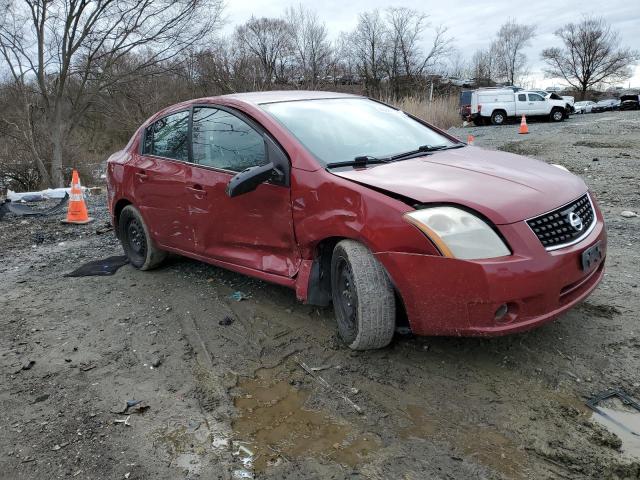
[(591, 257)]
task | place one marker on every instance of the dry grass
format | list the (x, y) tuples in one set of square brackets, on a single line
[(441, 112)]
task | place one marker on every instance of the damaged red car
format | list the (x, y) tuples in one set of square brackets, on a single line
[(353, 202)]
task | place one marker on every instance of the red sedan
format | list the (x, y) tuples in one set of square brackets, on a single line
[(351, 201)]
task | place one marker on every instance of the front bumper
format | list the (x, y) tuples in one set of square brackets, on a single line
[(446, 296)]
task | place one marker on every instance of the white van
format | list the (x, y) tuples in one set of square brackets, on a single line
[(496, 105)]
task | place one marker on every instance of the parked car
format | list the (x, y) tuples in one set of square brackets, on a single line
[(584, 106), (569, 101), (349, 201), (465, 104), (496, 105), (606, 105), (629, 102)]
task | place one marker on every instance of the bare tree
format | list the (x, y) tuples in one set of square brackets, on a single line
[(311, 49), (369, 42), (405, 29), (592, 55), (344, 61), (483, 67), (508, 49), (269, 41), (72, 48)]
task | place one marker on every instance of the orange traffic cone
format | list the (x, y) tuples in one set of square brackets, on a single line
[(523, 125), (77, 211), (470, 139)]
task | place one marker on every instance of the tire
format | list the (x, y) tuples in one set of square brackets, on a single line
[(136, 242), (363, 297), (499, 117), (557, 115)]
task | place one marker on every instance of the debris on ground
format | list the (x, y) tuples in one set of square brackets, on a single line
[(106, 227), (226, 321), (28, 365), (132, 407), (326, 385), (238, 296), (107, 266), (594, 404), (125, 421), (49, 193), (23, 210), (628, 214)]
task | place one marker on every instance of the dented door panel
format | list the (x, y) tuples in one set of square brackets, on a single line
[(158, 186), (254, 230)]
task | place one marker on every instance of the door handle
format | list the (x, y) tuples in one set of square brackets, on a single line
[(141, 175), (197, 190)]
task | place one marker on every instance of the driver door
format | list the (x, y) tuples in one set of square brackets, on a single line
[(537, 104), (253, 230)]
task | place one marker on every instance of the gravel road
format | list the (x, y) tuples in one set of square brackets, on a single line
[(262, 387)]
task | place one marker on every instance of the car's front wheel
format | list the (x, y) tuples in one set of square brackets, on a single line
[(363, 297), (136, 242), (557, 115)]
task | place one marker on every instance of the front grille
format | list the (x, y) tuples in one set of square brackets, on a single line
[(555, 230)]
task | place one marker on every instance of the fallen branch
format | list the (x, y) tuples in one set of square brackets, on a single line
[(326, 385)]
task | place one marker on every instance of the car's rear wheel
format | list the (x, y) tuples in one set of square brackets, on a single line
[(363, 297), (136, 242), (498, 117), (557, 115)]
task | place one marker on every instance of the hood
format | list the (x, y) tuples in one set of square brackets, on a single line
[(504, 187)]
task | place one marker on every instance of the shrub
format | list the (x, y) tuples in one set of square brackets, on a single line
[(441, 111)]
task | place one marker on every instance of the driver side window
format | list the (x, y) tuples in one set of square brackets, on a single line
[(223, 140)]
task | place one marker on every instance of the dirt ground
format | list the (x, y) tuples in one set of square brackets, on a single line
[(262, 387)]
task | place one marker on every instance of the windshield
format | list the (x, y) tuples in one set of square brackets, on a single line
[(339, 130)]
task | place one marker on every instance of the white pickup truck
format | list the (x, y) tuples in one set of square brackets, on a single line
[(496, 105)]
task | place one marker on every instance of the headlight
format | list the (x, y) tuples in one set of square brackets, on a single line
[(458, 233)]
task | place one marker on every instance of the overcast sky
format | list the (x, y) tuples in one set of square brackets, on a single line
[(473, 23)]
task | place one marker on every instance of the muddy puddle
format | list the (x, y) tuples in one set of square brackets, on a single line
[(276, 427), (484, 443), (622, 420)]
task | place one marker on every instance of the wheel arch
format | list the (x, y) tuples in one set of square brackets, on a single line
[(117, 210), (319, 282), (498, 110), (319, 277)]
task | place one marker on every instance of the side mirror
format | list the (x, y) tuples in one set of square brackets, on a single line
[(249, 179)]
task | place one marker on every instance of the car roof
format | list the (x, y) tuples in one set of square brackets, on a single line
[(274, 96)]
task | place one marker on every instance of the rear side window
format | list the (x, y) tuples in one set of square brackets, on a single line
[(169, 137), (522, 97), (147, 146), (223, 140)]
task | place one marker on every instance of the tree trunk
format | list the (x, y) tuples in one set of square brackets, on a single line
[(57, 138), (30, 135), (45, 179), (583, 92)]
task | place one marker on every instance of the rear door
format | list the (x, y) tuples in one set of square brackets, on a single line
[(159, 176), (253, 230), (523, 106)]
